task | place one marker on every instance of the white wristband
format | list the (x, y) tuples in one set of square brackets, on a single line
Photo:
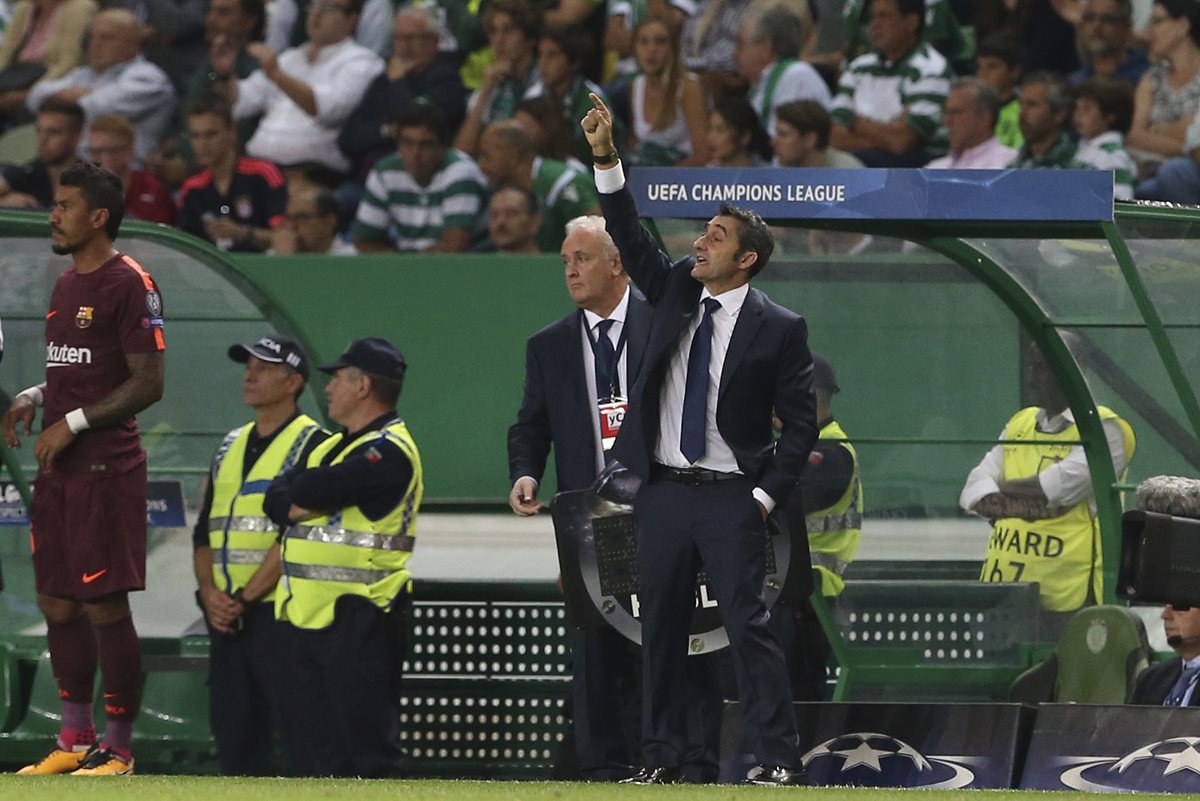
[(76, 421), (34, 394)]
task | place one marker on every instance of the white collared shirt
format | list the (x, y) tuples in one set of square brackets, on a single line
[(717, 454), (1191, 688), (1065, 483), (592, 321)]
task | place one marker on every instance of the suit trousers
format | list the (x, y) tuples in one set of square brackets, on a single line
[(717, 526)]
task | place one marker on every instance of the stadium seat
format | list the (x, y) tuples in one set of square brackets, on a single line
[(1096, 661), (18, 145)]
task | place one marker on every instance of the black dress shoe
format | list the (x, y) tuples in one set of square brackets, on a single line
[(777, 776), (653, 776)]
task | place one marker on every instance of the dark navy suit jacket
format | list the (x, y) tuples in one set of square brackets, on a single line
[(768, 365), (1156, 681), (555, 409)]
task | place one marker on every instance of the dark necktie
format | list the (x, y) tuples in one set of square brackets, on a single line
[(608, 383), (1186, 679), (695, 393)]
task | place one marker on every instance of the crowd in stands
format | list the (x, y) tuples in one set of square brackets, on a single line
[(339, 126)]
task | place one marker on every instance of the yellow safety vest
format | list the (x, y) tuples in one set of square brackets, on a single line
[(1063, 554), (346, 553), (834, 532), (239, 531)]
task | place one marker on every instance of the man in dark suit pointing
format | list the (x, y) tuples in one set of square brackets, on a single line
[(698, 432), (1173, 683)]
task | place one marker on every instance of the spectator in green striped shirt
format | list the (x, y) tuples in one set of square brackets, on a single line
[(1103, 113), (888, 106), (425, 197)]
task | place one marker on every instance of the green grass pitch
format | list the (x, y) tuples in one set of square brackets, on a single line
[(195, 788)]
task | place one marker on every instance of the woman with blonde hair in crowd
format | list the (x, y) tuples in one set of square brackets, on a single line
[(667, 103)]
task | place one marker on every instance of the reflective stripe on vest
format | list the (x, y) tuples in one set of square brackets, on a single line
[(239, 532), (345, 552), (834, 532), (1062, 554)]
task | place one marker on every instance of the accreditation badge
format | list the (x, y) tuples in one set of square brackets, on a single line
[(612, 414)]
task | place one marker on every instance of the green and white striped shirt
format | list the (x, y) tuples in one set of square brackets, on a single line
[(411, 217), (563, 193), (915, 87), (1107, 152)]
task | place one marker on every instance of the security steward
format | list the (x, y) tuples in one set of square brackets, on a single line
[(831, 487), (1036, 488), (236, 552), (345, 595)]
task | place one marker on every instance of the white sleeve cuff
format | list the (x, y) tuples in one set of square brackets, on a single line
[(766, 500), (976, 491), (77, 421), (610, 180)]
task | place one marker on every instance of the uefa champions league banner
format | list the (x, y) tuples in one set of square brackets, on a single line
[(164, 505), (1114, 749), (779, 193), (944, 746)]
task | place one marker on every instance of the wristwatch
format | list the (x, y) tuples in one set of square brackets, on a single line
[(606, 159)]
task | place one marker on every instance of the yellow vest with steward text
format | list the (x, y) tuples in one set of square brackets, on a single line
[(834, 532), (1063, 553), (239, 531), (346, 553)]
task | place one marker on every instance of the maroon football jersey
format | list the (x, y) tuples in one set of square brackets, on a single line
[(93, 322)]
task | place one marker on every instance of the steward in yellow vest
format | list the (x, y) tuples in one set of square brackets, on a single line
[(236, 552), (345, 594), (1039, 499)]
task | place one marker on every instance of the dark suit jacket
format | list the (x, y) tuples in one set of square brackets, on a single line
[(555, 409), (768, 365), (1156, 681)]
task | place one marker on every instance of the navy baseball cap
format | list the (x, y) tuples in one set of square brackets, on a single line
[(275, 349), (374, 355), (823, 375)]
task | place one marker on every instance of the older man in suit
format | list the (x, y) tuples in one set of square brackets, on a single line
[(576, 370), (698, 432), (1173, 683)]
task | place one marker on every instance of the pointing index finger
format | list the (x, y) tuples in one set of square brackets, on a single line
[(599, 104)]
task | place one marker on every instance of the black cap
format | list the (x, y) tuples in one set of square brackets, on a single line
[(275, 349), (823, 375), (374, 355)]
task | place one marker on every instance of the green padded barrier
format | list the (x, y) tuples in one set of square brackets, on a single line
[(1099, 656)]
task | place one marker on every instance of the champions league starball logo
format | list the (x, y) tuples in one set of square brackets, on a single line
[(1171, 765), (870, 759)]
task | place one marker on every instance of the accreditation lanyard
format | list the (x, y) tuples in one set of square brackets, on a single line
[(610, 404)]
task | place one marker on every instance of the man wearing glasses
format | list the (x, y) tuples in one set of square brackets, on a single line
[(305, 93), (1103, 33)]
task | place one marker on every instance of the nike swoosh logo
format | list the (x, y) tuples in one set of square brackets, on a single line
[(88, 578), (51, 314)]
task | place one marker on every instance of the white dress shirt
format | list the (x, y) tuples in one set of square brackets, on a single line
[(1065, 484), (717, 454), (593, 320), (1191, 689), (339, 77)]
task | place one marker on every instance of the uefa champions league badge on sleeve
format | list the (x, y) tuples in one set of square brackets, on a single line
[(612, 414)]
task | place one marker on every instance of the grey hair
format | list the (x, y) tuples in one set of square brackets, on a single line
[(1058, 91), (987, 99), (594, 224), (782, 28), (433, 19), (1170, 495)]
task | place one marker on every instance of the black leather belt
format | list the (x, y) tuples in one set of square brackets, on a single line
[(691, 476)]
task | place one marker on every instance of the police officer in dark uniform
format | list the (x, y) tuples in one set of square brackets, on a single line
[(345, 595)]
